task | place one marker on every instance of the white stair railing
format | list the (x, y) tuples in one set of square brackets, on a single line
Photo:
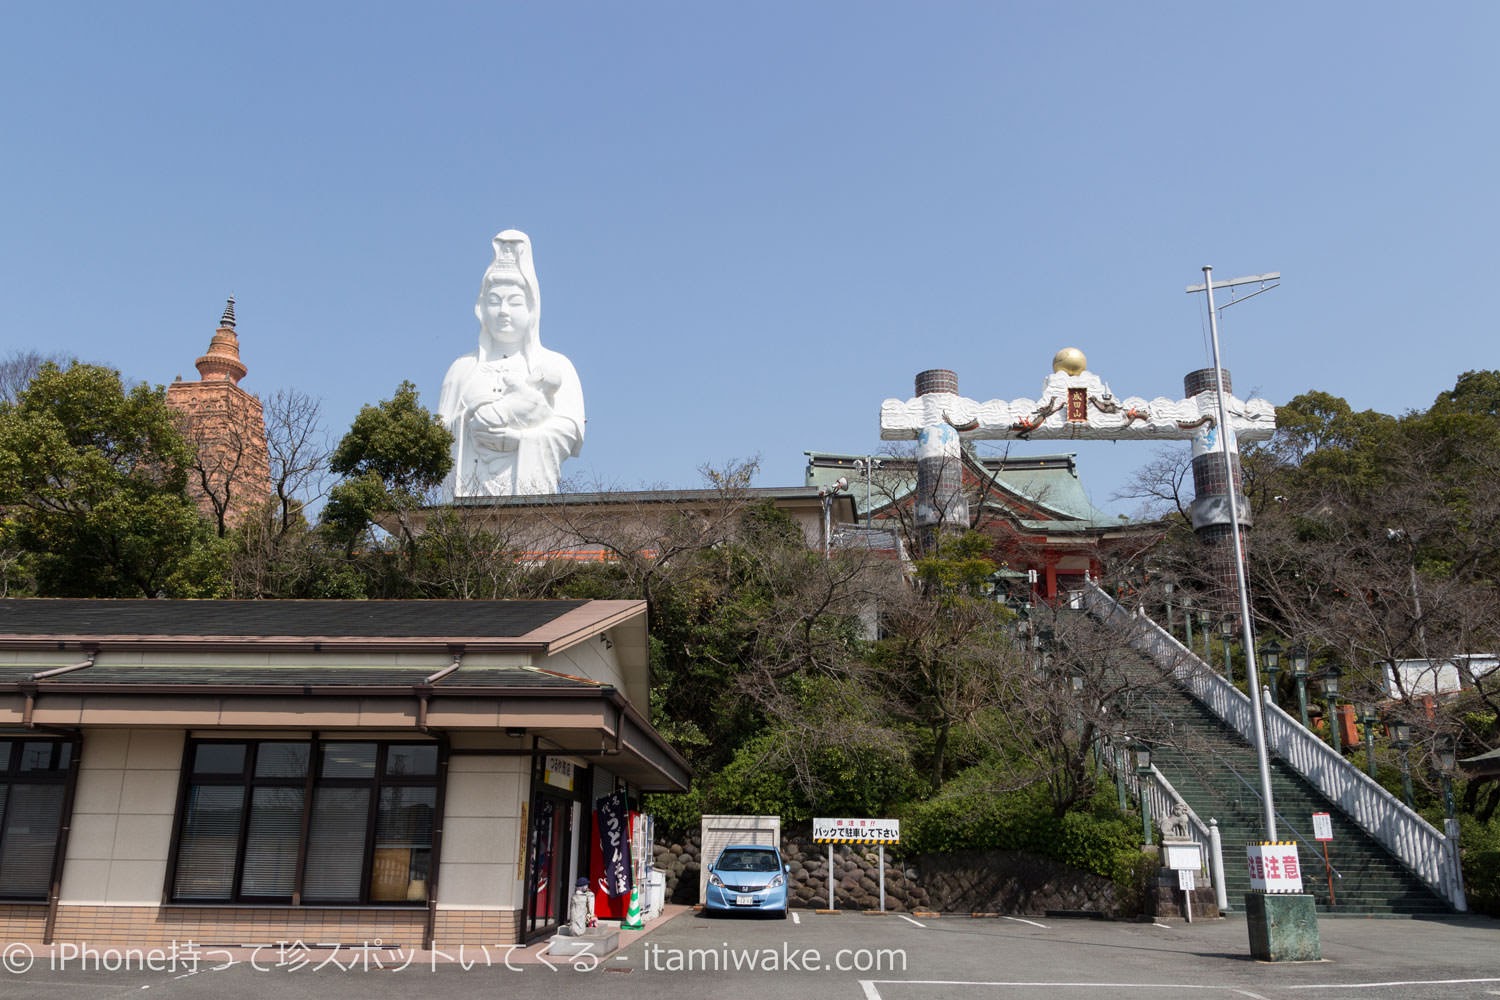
[(1417, 844), (1159, 798)]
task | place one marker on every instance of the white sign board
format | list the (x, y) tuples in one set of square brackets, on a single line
[(1179, 856), (558, 773), (856, 831), (1274, 867), (1187, 879), (1322, 826)]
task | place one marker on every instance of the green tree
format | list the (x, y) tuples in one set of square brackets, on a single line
[(395, 454), (93, 478)]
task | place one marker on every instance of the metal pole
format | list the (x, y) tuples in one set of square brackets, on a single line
[(1406, 795), (827, 523), (830, 875), (1247, 627), (1228, 663), (1333, 726), (1143, 777), (1187, 620), (882, 878), (1369, 721), (1302, 699), (1120, 778)]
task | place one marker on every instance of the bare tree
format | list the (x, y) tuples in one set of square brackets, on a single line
[(298, 449), (18, 368)]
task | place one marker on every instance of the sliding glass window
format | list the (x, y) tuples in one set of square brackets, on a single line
[(33, 787), (335, 821)]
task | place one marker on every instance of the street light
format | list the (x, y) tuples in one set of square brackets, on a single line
[(1167, 589), (1299, 671), (1330, 679), (1142, 753), (1270, 655), (1401, 740), (1208, 654), (1226, 629), (1187, 619), (1367, 716), (1447, 758)]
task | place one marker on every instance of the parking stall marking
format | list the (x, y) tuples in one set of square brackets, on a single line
[(870, 987)]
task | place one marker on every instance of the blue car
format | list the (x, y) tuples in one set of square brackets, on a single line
[(747, 878)]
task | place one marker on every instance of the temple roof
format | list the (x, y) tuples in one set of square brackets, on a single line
[(1046, 485)]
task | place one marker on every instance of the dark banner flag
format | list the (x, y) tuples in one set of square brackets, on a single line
[(614, 843)]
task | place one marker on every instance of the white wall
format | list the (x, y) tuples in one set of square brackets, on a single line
[(122, 817), (483, 846)]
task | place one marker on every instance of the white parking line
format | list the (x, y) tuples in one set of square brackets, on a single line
[(910, 920), (1031, 922), (873, 993), (1398, 982)]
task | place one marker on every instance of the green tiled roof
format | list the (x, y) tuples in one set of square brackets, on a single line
[(1047, 481)]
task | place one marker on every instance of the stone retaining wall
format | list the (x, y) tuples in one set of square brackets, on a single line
[(966, 882)]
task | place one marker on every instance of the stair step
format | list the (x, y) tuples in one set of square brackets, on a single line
[(1202, 766)]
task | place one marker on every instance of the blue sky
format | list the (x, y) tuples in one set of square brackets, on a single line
[(752, 223)]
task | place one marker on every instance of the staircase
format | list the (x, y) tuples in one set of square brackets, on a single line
[(1180, 707), (1215, 772)]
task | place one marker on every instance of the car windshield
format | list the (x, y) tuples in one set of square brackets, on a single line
[(748, 861)]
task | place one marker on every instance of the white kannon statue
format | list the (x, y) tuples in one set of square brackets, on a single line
[(515, 409)]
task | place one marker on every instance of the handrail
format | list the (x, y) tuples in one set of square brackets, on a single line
[(1161, 792), (1426, 851), (1281, 816)]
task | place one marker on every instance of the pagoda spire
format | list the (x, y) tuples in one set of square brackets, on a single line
[(222, 362)]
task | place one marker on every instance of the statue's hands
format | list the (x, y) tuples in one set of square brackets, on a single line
[(497, 438), (489, 426)]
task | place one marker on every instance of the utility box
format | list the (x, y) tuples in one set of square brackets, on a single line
[(718, 832)]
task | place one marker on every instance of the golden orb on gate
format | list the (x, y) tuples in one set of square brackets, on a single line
[(1070, 360)]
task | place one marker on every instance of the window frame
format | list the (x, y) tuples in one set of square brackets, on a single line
[(64, 774), (309, 783)]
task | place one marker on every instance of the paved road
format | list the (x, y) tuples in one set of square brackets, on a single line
[(854, 957)]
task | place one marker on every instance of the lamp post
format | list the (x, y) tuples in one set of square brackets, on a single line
[(1367, 716), (1118, 740), (1167, 589), (1446, 759), (1401, 740), (1226, 630), (1208, 654), (1142, 753), (1330, 679), (1187, 619), (1299, 671), (1270, 654)]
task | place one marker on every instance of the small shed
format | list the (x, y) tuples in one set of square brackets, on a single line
[(718, 832)]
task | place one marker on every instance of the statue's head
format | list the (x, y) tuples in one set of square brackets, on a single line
[(509, 305)]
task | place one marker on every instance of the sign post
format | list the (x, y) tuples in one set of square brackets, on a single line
[(857, 831), (1187, 882), (1323, 833)]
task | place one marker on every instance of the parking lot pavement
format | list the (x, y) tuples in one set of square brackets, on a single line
[(854, 956)]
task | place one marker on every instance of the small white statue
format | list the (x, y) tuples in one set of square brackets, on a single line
[(581, 909), (515, 409)]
